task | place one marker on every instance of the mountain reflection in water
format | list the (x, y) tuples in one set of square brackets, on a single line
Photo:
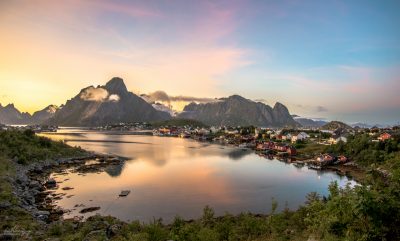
[(174, 176)]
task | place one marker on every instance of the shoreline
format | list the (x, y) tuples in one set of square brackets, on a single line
[(31, 183), (38, 199)]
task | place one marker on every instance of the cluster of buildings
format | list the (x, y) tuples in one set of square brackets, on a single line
[(292, 137), (35, 128), (279, 142), (269, 146), (327, 159)]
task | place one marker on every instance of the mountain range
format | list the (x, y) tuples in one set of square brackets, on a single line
[(113, 103), (236, 110), (11, 115)]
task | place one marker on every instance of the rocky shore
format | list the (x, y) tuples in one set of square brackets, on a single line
[(35, 190)]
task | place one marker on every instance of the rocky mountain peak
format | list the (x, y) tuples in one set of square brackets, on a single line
[(51, 108), (116, 85), (236, 97), (279, 106), (10, 106)]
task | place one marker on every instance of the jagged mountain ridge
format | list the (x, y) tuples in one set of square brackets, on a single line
[(111, 103), (236, 110), (11, 115), (45, 114)]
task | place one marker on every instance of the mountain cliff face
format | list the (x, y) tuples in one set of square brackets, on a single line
[(236, 110), (111, 103), (11, 115), (42, 116)]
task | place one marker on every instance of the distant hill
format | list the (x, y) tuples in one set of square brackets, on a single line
[(333, 125), (111, 103), (305, 122), (11, 115), (238, 111), (179, 122)]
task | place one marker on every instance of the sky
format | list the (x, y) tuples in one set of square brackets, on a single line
[(338, 60)]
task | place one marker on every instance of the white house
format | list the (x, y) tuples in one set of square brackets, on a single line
[(300, 137), (342, 138), (287, 137), (214, 129), (336, 140)]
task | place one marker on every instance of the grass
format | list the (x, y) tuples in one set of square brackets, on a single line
[(309, 150), (26, 147)]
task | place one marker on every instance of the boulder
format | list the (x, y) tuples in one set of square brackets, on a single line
[(51, 183), (113, 230)]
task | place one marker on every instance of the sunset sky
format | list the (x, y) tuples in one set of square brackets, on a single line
[(338, 60)]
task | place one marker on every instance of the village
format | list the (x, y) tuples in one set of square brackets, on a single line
[(284, 144), (299, 146)]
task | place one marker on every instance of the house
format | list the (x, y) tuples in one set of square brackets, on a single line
[(286, 137), (300, 137), (214, 129), (164, 131), (384, 136), (341, 138), (202, 131), (342, 159), (335, 140), (291, 151), (231, 132), (325, 159)]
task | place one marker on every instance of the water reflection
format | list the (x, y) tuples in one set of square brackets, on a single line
[(115, 170), (174, 176), (237, 154)]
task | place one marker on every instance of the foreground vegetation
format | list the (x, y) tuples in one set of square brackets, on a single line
[(367, 212), (25, 147)]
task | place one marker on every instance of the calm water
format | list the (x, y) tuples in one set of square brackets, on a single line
[(174, 176)]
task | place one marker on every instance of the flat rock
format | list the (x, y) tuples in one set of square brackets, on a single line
[(89, 209)]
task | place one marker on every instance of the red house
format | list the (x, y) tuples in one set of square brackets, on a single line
[(291, 150), (342, 159), (385, 136)]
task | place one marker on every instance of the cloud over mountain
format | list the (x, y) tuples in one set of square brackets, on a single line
[(163, 96), (98, 94)]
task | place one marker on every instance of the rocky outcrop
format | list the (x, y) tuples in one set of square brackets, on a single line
[(44, 115)]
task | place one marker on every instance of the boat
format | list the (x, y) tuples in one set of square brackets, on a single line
[(315, 167), (124, 193)]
